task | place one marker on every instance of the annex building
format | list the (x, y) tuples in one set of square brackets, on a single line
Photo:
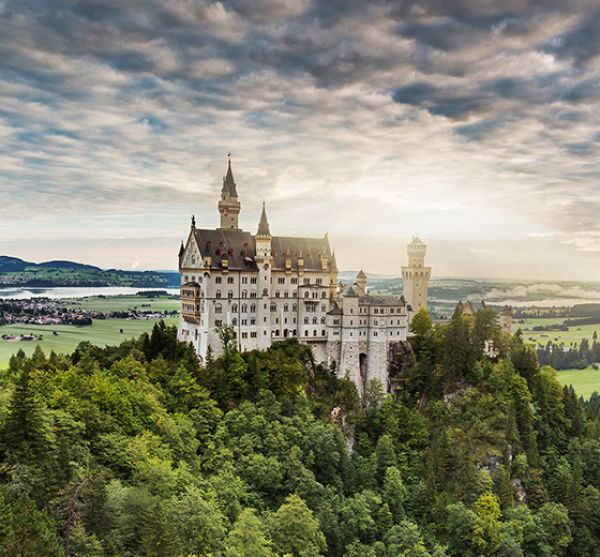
[(269, 288)]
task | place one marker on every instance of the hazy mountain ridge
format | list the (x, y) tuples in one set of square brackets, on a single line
[(18, 272)]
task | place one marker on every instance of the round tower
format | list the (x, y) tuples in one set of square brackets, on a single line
[(415, 276)]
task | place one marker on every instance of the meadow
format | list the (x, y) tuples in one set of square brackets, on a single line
[(102, 332), (584, 381), (573, 335), (126, 303)]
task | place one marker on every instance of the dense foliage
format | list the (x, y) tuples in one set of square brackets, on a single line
[(578, 356), (139, 450)]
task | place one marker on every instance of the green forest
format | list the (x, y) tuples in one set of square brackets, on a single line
[(142, 450)]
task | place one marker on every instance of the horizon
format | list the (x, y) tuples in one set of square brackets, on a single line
[(473, 126)]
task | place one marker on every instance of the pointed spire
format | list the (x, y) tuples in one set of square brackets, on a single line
[(263, 225), (229, 185), (181, 249), (333, 261), (193, 221)]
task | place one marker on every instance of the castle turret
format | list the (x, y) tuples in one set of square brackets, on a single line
[(229, 204), (415, 276), (264, 262), (361, 282)]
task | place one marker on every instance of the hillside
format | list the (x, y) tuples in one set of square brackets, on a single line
[(140, 450), (17, 272)]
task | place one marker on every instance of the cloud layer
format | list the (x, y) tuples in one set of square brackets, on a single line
[(455, 119)]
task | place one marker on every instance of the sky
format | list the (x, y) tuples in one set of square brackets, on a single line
[(474, 124)]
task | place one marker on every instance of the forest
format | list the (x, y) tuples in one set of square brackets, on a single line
[(142, 450), (575, 356)]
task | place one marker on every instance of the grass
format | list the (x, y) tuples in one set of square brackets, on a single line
[(124, 303), (584, 381), (573, 335), (101, 332)]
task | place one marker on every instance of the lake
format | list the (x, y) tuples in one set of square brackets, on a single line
[(20, 293)]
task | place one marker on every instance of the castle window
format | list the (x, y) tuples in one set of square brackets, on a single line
[(234, 308), (230, 294), (374, 333), (218, 294), (229, 280), (322, 320), (314, 333), (218, 280), (319, 281), (252, 334), (315, 294), (218, 308), (286, 307), (187, 278), (253, 321), (218, 322), (391, 310), (252, 280), (277, 294), (244, 280), (314, 320), (273, 307), (265, 292), (307, 281), (244, 335), (376, 322), (323, 307), (306, 294), (253, 308), (324, 294), (285, 294), (253, 294), (294, 280), (294, 307), (244, 322), (323, 332), (234, 321), (280, 280), (244, 308)]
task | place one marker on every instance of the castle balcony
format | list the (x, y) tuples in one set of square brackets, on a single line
[(191, 295)]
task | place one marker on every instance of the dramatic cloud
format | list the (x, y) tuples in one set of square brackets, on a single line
[(463, 121)]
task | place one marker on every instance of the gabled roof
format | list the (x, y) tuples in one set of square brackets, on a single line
[(335, 310), (310, 249), (361, 274), (350, 292), (236, 246)]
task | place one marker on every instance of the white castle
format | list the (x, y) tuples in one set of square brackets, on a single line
[(269, 288)]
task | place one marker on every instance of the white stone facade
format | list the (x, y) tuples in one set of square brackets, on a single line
[(269, 288)]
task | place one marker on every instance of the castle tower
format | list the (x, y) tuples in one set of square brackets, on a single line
[(264, 262), (229, 204), (415, 276), (361, 282), (506, 319)]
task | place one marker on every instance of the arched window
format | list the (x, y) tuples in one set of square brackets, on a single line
[(306, 294), (314, 320), (286, 307), (324, 294), (306, 320), (230, 294), (314, 332), (244, 308), (323, 332), (234, 321), (218, 294), (218, 308), (322, 320), (244, 293), (253, 308), (273, 307), (234, 308), (218, 280), (265, 292)]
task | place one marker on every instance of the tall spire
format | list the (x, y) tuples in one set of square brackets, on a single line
[(229, 182), (263, 225)]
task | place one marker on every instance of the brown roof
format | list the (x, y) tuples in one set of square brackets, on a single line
[(382, 300), (310, 249), (240, 249)]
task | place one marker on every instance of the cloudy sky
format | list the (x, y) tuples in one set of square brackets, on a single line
[(472, 123)]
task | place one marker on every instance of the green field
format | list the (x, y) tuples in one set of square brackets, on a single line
[(574, 334), (125, 303), (584, 381), (101, 332)]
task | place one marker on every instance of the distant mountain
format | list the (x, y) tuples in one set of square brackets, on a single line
[(18, 272)]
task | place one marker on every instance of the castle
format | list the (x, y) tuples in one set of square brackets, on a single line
[(269, 288)]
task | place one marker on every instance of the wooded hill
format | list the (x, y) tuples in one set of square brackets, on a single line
[(139, 450), (16, 272)]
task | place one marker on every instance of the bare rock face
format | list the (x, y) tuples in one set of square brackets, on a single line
[(399, 357), (519, 492)]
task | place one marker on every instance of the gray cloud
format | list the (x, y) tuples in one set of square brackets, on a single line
[(481, 111)]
